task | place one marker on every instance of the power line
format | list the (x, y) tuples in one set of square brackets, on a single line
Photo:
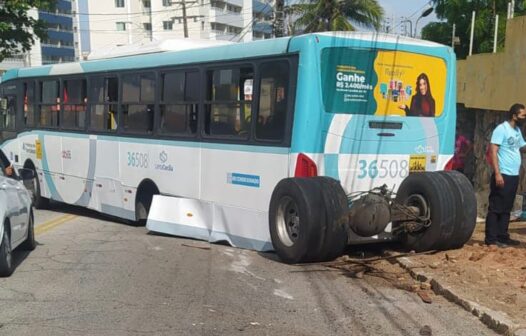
[(177, 9), (414, 13), (248, 25), (197, 4)]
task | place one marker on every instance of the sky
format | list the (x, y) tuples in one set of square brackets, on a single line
[(406, 8)]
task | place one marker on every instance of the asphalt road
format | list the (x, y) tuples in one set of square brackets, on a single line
[(94, 276)]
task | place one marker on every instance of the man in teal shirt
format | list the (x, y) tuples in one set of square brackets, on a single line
[(505, 150)]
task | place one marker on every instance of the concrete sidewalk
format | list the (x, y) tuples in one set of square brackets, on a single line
[(488, 282)]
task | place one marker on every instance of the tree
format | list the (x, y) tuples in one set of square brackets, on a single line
[(17, 28), (332, 15), (458, 12)]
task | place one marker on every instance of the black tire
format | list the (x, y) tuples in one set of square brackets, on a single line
[(6, 257), (39, 201), (434, 189), (141, 213), (143, 201), (297, 220), (466, 207), (335, 237), (30, 243)]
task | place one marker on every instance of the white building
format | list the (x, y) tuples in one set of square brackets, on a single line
[(110, 23)]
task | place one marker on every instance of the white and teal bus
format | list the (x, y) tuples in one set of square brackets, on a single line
[(303, 145)]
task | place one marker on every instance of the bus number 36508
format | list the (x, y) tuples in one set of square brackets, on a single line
[(383, 168), (137, 160)]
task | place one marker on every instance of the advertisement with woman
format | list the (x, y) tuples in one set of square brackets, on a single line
[(380, 82)]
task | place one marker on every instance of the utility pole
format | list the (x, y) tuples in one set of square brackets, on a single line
[(495, 36), (453, 36), (185, 22), (279, 29), (472, 31), (185, 17)]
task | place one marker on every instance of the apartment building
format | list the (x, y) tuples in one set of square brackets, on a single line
[(110, 23), (61, 44)]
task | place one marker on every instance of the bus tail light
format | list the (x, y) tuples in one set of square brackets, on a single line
[(449, 165), (305, 167)]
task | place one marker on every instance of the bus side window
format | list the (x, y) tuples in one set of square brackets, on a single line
[(228, 106), (138, 99), (74, 103), (8, 106), (179, 102), (273, 98), (49, 103), (29, 103), (103, 99)]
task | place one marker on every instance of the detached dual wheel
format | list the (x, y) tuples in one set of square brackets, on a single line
[(307, 218), (466, 207), (448, 203)]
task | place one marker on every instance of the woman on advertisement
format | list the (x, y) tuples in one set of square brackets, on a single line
[(422, 103)]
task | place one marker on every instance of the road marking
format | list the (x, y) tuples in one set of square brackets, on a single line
[(45, 227)]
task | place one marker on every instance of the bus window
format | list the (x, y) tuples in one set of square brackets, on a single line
[(138, 98), (103, 98), (74, 103), (8, 106), (229, 103), (273, 97), (49, 103), (29, 103), (179, 102)]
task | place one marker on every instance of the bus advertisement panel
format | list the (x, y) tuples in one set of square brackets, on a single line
[(382, 82)]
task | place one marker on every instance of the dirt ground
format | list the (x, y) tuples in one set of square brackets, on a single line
[(492, 277)]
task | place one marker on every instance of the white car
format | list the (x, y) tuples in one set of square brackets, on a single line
[(17, 226)]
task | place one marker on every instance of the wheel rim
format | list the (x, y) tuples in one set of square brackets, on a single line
[(419, 202), (288, 221)]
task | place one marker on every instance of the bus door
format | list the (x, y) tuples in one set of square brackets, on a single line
[(8, 110), (385, 105)]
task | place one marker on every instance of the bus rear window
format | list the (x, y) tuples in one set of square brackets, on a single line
[(382, 82)]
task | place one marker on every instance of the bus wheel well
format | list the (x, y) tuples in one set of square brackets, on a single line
[(29, 164), (38, 200), (143, 200)]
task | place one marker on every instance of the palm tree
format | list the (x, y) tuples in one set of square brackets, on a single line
[(332, 15)]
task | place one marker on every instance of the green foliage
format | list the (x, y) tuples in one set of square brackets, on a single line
[(333, 15), (17, 29), (459, 12)]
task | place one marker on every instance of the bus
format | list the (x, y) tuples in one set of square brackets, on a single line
[(304, 145)]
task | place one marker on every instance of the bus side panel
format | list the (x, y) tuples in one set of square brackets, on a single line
[(76, 154), (51, 165), (108, 189), (173, 168), (240, 184), (241, 178)]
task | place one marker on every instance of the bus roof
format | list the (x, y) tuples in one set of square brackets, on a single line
[(227, 52)]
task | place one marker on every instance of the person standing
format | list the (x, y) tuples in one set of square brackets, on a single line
[(462, 149), (505, 149)]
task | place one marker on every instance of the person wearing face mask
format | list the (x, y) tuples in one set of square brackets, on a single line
[(505, 151)]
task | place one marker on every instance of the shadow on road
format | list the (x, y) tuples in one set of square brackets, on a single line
[(85, 212)]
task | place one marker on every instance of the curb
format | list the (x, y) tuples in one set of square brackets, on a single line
[(495, 320)]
